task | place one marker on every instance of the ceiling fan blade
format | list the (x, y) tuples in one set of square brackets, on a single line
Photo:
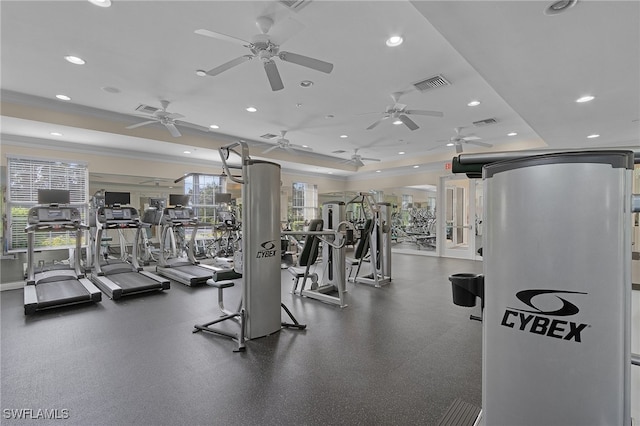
[(270, 149), (174, 115), (423, 112), (458, 148), (488, 145), (377, 122), (370, 159), (289, 150), (192, 125), (144, 123), (227, 65), (172, 129), (306, 61), (273, 75), (221, 36), (408, 122)]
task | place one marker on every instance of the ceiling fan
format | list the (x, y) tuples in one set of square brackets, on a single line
[(357, 159), (169, 120), (265, 48), (399, 111), (459, 140), (285, 144)]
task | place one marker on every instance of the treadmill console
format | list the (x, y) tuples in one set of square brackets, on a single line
[(54, 214), (124, 217), (179, 215)]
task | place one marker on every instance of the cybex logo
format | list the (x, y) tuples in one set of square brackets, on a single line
[(268, 250), (536, 321)]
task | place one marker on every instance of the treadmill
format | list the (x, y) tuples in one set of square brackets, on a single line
[(58, 285), (187, 270), (118, 277)]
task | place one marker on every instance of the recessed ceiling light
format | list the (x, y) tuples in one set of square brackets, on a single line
[(450, 144), (558, 7), (214, 126), (378, 171), (75, 60), (344, 136), (397, 122), (394, 41), (186, 152), (55, 134), (586, 98), (63, 97), (512, 134), (201, 73), (473, 103), (305, 146), (101, 3), (306, 83), (593, 136), (401, 153), (252, 109)]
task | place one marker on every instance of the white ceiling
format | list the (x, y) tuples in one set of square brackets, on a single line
[(525, 67)]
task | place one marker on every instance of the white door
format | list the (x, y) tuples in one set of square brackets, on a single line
[(457, 219)]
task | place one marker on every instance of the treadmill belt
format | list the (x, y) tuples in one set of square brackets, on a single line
[(133, 281), (196, 271), (58, 292)]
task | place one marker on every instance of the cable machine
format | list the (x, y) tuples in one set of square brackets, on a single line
[(259, 313), (377, 242)]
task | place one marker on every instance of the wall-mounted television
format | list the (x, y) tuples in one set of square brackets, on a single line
[(178, 199), (120, 198), (54, 196)]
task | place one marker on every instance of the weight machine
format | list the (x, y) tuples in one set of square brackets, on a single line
[(556, 311), (376, 245), (259, 311), (333, 257)]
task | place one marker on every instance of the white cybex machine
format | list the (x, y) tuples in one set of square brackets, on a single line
[(259, 312), (332, 286), (557, 300), (376, 238)]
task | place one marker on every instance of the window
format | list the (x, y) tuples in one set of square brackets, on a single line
[(202, 189), (304, 204), (25, 177)]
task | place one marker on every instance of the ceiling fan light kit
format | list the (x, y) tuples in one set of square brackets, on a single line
[(263, 47), (400, 113), (168, 120)]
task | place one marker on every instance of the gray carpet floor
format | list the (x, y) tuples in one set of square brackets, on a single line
[(397, 355)]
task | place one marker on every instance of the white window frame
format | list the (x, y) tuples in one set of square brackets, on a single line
[(25, 175)]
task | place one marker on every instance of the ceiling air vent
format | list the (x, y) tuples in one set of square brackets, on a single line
[(295, 5), (431, 83), (485, 122), (146, 109), (269, 136)]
